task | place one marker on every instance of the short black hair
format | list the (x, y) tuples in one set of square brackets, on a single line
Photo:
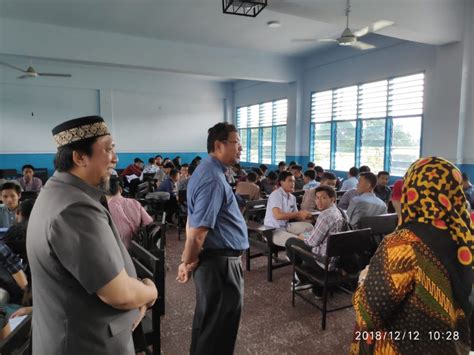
[(168, 165), (370, 177), (27, 166), (174, 172), (151, 160), (327, 189), (297, 167), (383, 173), (318, 169), (272, 176), (353, 171), (191, 169), (26, 206), (311, 165), (252, 176), (158, 156), (282, 163), (114, 185), (11, 186), (185, 165), (364, 169), (137, 160), (293, 162), (283, 175), (311, 174), (63, 161), (263, 167), (218, 132), (258, 171), (328, 176)]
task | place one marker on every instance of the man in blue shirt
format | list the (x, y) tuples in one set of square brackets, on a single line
[(170, 185), (216, 236)]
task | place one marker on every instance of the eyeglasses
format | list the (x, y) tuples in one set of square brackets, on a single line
[(233, 142)]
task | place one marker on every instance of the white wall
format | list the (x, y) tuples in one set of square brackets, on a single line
[(146, 110)]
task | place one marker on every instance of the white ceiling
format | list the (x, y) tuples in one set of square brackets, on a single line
[(202, 22)]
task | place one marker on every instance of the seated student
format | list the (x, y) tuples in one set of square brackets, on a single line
[(11, 193), (17, 232), (310, 166), (364, 169), (281, 208), (177, 161), (346, 199), (134, 169), (299, 180), (366, 204), (159, 161), (309, 198), (264, 169), (319, 173), (162, 174), (331, 220), (268, 184), (184, 177), (468, 189), (170, 186), (249, 187), (309, 180), (196, 161), (397, 196), (281, 167), (351, 181), (127, 213), (151, 167), (29, 182), (382, 190), (12, 277)]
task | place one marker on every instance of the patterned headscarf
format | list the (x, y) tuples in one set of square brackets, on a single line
[(433, 194)]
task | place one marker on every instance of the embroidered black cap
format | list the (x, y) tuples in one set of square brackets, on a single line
[(79, 129)]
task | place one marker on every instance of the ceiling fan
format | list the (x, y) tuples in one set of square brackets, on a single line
[(30, 72), (351, 38)]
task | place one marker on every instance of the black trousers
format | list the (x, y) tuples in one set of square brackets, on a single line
[(219, 299), (291, 255)]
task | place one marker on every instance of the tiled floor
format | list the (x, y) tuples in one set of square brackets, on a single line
[(269, 324)]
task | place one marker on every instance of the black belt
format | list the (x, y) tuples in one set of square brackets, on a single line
[(222, 252)]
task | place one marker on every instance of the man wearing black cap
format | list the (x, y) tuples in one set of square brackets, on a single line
[(86, 295)]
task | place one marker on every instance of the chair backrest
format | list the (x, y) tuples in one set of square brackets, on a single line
[(19, 339), (381, 225), (255, 208), (28, 195), (151, 265), (9, 173), (142, 189), (151, 236), (42, 174), (298, 193), (348, 243), (148, 176), (182, 196)]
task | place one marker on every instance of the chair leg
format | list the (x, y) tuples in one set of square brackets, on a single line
[(247, 259), (325, 306), (293, 287), (269, 267)]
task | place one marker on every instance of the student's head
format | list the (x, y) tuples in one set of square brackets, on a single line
[(259, 173), (353, 172), (158, 160), (237, 168), (168, 167), (281, 166), (319, 170), (138, 163), (151, 161), (465, 181), (287, 181), (191, 170), (177, 161), (24, 211), (364, 169), (11, 193), (184, 170), (311, 165), (309, 175), (166, 160), (296, 170), (115, 186), (197, 159), (272, 176), (174, 175), (252, 177), (382, 178), (28, 172), (325, 196), (328, 179), (223, 142), (264, 168), (85, 149), (366, 183)]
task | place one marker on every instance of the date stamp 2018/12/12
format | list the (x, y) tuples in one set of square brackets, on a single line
[(400, 335)]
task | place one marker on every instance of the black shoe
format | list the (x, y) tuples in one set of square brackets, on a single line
[(317, 293)]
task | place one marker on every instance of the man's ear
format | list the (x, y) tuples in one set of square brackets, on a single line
[(79, 159)]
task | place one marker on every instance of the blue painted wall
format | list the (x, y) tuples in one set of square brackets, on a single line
[(16, 161)]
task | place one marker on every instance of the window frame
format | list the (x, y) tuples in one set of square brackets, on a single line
[(389, 119)]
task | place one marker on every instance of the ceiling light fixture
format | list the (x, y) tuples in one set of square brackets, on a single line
[(250, 8), (273, 24)]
